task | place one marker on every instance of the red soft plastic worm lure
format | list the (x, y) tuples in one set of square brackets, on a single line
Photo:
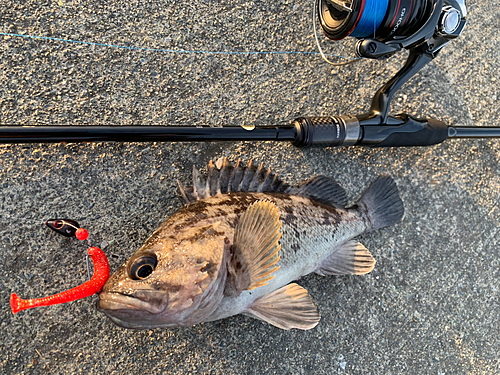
[(94, 285)]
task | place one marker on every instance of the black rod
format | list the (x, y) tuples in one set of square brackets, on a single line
[(474, 132), (92, 133), (302, 132)]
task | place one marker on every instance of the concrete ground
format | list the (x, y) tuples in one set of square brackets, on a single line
[(431, 306)]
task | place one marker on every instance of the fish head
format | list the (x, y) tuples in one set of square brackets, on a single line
[(172, 280)]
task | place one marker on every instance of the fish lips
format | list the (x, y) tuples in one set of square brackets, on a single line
[(118, 301), (131, 311)]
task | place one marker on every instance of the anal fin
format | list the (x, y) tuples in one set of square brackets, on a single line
[(352, 258), (286, 308)]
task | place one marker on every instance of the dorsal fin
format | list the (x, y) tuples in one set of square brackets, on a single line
[(223, 178), (322, 188)]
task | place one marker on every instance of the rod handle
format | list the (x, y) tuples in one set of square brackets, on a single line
[(413, 132), (326, 131)]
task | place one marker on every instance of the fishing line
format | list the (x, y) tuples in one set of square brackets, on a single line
[(67, 228), (371, 18), (178, 51)]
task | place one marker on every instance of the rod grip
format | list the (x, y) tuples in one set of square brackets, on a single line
[(414, 132), (326, 131)]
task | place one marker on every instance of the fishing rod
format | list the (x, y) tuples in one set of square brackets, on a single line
[(383, 28), (400, 130)]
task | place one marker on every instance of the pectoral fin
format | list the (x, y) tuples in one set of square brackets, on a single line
[(255, 248), (352, 258), (286, 308)]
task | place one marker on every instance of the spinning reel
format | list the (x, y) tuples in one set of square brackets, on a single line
[(383, 28)]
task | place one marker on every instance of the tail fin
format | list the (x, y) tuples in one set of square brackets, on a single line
[(382, 203)]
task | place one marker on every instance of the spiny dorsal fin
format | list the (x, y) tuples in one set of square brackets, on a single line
[(323, 189), (255, 248), (352, 258), (213, 184), (286, 308), (223, 178), (200, 187), (225, 173)]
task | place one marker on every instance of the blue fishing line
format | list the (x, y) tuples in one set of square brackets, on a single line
[(372, 17), (173, 50)]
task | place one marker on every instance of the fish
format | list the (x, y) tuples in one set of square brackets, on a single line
[(240, 243)]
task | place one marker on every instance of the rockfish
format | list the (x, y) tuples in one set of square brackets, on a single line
[(239, 243)]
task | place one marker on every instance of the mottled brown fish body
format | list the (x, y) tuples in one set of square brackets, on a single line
[(311, 232), (237, 245), (307, 224)]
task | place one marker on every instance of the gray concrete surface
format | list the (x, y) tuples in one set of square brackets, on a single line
[(431, 306)]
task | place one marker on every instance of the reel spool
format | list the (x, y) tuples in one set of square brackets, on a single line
[(378, 19), (386, 26)]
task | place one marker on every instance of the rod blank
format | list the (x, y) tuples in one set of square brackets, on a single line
[(92, 133), (474, 132)]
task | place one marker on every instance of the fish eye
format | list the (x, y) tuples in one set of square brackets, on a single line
[(141, 267)]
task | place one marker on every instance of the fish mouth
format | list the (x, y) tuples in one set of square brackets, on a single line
[(131, 312), (113, 301)]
